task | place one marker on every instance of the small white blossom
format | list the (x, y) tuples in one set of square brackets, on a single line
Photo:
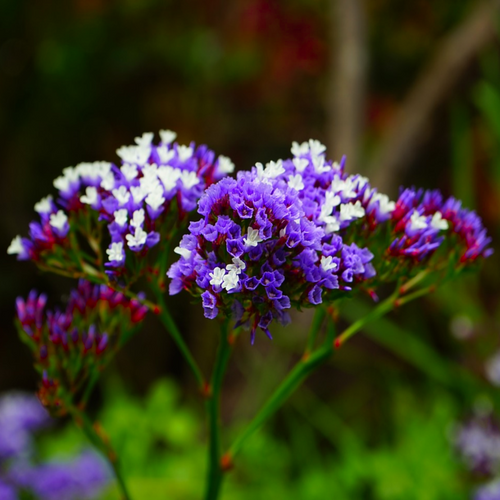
[(273, 169), (150, 170), (184, 152), (149, 183), (121, 216), (300, 149), (169, 177), (115, 252), (327, 264), (385, 206), (331, 201), (217, 276), (71, 174), (165, 154), (16, 246), (230, 280), (226, 166), (237, 266), (138, 193), (137, 218), (155, 199), (44, 206), (332, 224), (62, 183), (319, 164), (167, 136), (134, 154), (252, 239), (122, 195), (300, 164), (108, 181), (316, 148), (58, 220), (438, 222), (137, 239), (189, 179), (350, 211), (295, 182), (145, 139), (90, 196), (183, 252), (129, 171), (418, 221), (349, 189)]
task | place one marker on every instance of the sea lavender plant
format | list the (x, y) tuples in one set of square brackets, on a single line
[(299, 233), (80, 478)]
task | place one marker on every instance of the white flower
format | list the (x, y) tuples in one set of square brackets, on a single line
[(217, 276), (121, 216), (252, 238), (349, 187), (44, 205), (134, 154), (332, 224), (226, 166), (295, 182), (115, 253), (327, 264), (150, 170), (183, 252), (167, 136), (316, 148), (108, 181), (331, 200), (165, 154), (155, 199), (184, 152), (350, 211), (90, 196), (417, 222), (300, 164), (137, 218), (438, 222), (58, 220), (169, 177), (300, 149), (62, 183), (71, 174), (138, 193), (385, 206), (145, 140), (237, 266), (121, 194), (137, 239), (149, 183), (273, 169), (16, 246), (129, 171), (319, 164), (189, 179), (230, 280)]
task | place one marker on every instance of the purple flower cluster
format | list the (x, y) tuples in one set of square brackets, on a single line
[(134, 199), (422, 220), (68, 345), (256, 252), (489, 492), (478, 441), (82, 477)]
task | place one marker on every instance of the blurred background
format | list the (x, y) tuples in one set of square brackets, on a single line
[(409, 91)]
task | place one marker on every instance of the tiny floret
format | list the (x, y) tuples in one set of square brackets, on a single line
[(58, 220), (217, 276), (44, 205), (437, 221), (115, 253), (252, 239), (90, 196), (16, 246), (167, 136)]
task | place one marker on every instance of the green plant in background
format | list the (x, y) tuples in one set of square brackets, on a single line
[(299, 233)]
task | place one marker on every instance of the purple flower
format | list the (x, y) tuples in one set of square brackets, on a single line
[(489, 492)]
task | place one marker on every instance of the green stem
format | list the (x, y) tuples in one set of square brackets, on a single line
[(102, 444), (293, 380), (319, 316), (171, 327), (214, 470)]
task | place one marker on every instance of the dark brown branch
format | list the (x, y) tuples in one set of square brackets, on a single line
[(412, 122), (346, 90)]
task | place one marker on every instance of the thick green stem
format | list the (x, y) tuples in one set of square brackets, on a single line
[(102, 443), (215, 471), (171, 327)]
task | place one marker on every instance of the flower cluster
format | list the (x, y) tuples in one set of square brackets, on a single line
[(82, 477), (255, 252), (135, 201), (69, 345)]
